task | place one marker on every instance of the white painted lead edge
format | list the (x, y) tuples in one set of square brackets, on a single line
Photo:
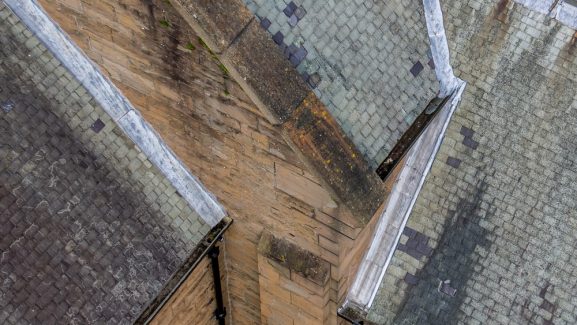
[(559, 9), (119, 108), (542, 6), (454, 103), (567, 14), (419, 160), (399, 205), (439, 48)]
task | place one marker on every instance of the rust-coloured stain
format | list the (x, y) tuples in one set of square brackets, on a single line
[(410, 136), (573, 43), (502, 11)]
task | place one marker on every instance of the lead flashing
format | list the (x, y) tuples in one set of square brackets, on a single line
[(399, 206), (119, 108)]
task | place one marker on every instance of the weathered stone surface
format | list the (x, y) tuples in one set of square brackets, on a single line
[(319, 137), (260, 64), (193, 302), (222, 21), (294, 258), (276, 87), (180, 88)]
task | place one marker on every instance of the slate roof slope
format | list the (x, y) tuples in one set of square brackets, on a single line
[(90, 230), (491, 238), (367, 60)]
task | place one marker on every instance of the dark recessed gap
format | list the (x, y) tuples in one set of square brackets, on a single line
[(410, 136), (204, 248)]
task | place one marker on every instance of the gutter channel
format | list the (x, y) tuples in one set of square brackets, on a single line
[(210, 249)]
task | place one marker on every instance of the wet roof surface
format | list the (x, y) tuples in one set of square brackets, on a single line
[(367, 60), (492, 235), (91, 231)]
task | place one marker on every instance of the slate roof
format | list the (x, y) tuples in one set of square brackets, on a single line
[(491, 238), (90, 230), (368, 62)]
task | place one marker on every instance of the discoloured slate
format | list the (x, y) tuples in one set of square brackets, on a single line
[(222, 21)]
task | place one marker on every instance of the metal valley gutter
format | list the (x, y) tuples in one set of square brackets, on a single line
[(417, 164)]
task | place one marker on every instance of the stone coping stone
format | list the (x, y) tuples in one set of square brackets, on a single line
[(261, 64), (294, 258), (222, 20), (317, 134)]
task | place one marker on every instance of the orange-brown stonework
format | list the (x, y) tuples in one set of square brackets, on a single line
[(193, 302), (313, 130), (289, 298), (181, 89), (274, 85)]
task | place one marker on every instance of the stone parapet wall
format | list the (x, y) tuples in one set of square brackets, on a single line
[(194, 302), (181, 88), (256, 63)]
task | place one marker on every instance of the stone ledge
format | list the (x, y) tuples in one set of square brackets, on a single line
[(223, 20), (260, 64), (316, 133), (294, 258)]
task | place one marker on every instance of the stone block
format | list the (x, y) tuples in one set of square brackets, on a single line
[(270, 78), (333, 155), (221, 21), (294, 258)]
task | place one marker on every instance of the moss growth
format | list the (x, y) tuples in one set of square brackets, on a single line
[(190, 46), (221, 66), (223, 69), (164, 23), (203, 44)]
